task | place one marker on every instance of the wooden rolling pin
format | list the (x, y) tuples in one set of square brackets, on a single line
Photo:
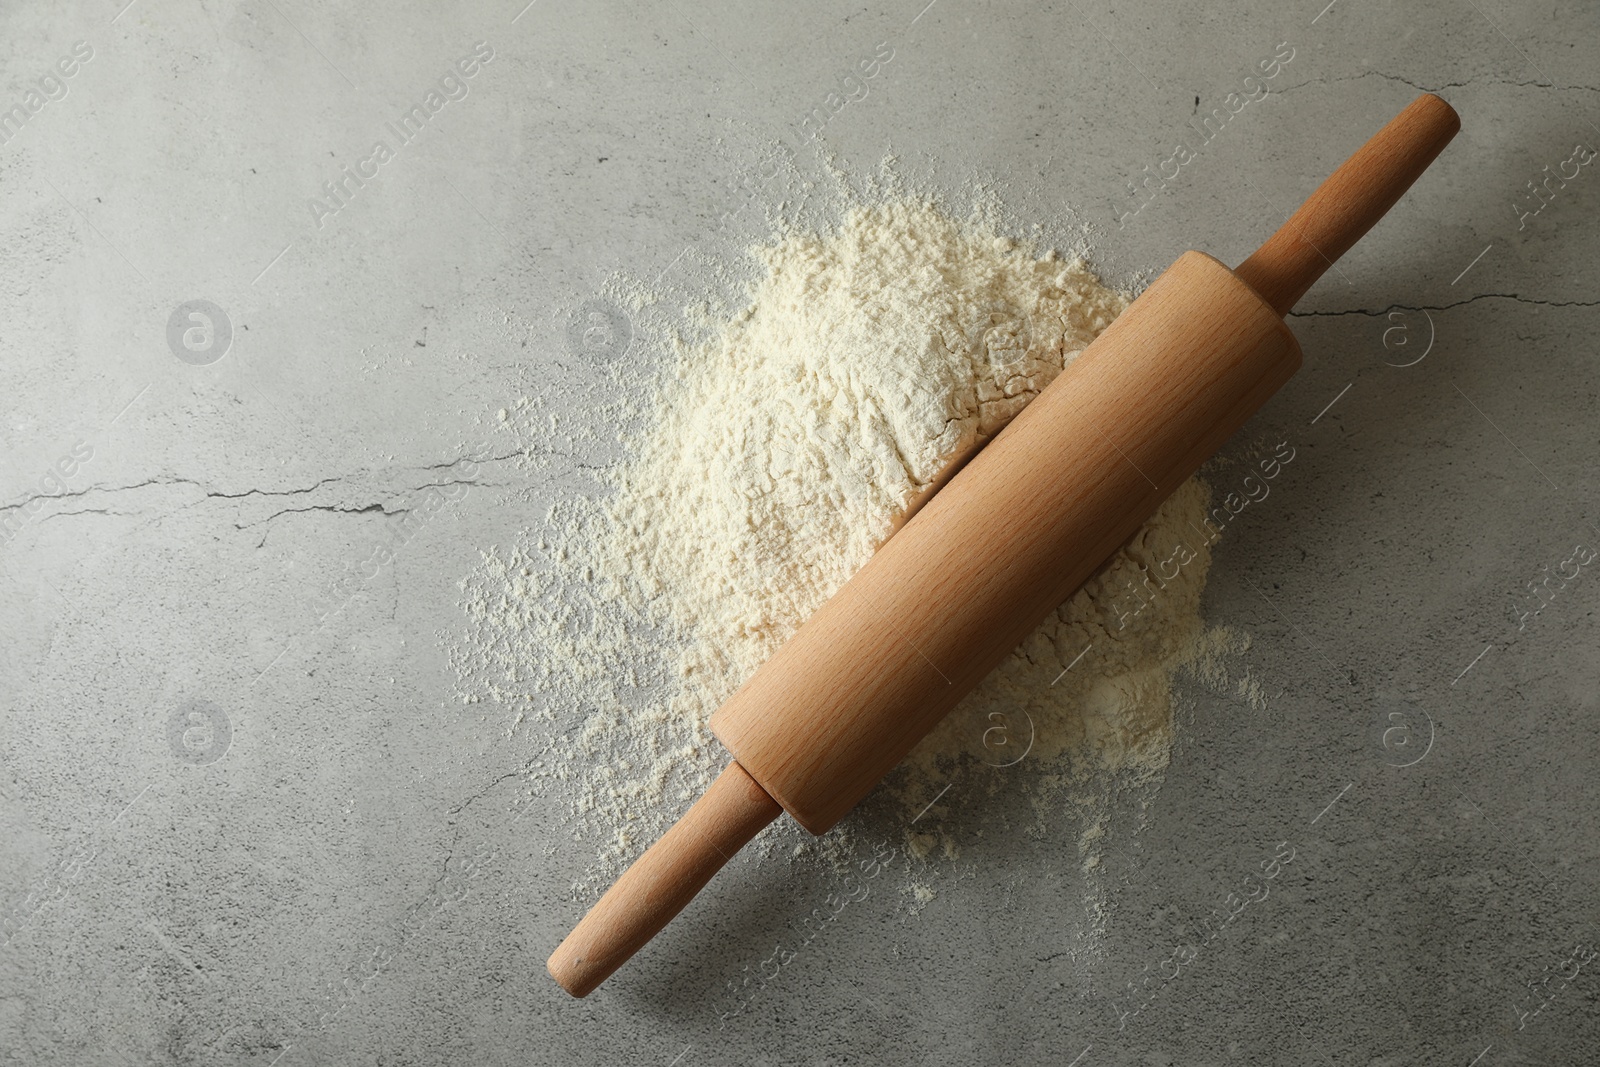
[(1026, 522)]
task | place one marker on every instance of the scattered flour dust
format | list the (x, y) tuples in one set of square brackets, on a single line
[(788, 443)]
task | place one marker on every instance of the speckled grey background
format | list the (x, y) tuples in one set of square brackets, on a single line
[(247, 820)]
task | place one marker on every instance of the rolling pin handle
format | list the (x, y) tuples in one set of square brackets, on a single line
[(663, 880), (1349, 203)]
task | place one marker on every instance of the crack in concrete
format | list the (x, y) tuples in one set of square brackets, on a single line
[(1446, 307), (480, 794), (1475, 79), (217, 494), (85, 511), (362, 510), (210, 493)]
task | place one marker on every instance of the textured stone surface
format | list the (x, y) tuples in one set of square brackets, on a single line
[(233, 835)]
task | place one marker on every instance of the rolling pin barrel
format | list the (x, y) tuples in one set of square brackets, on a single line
[(1026, 522), (1007, 540)]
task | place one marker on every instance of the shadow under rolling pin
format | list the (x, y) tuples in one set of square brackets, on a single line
[(1011, 536)]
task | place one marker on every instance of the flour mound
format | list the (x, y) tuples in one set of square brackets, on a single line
[(790, 446)]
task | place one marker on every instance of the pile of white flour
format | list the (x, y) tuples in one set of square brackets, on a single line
[(793, 438)]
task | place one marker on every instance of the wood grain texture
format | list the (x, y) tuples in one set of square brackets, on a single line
[(1350, 202), (662, 881), (1015, 533)]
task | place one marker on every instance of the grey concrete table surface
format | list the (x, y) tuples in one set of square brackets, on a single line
[(246, 820)]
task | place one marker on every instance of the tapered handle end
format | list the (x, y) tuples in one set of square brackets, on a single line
[(662, 881), (1350, 202)]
